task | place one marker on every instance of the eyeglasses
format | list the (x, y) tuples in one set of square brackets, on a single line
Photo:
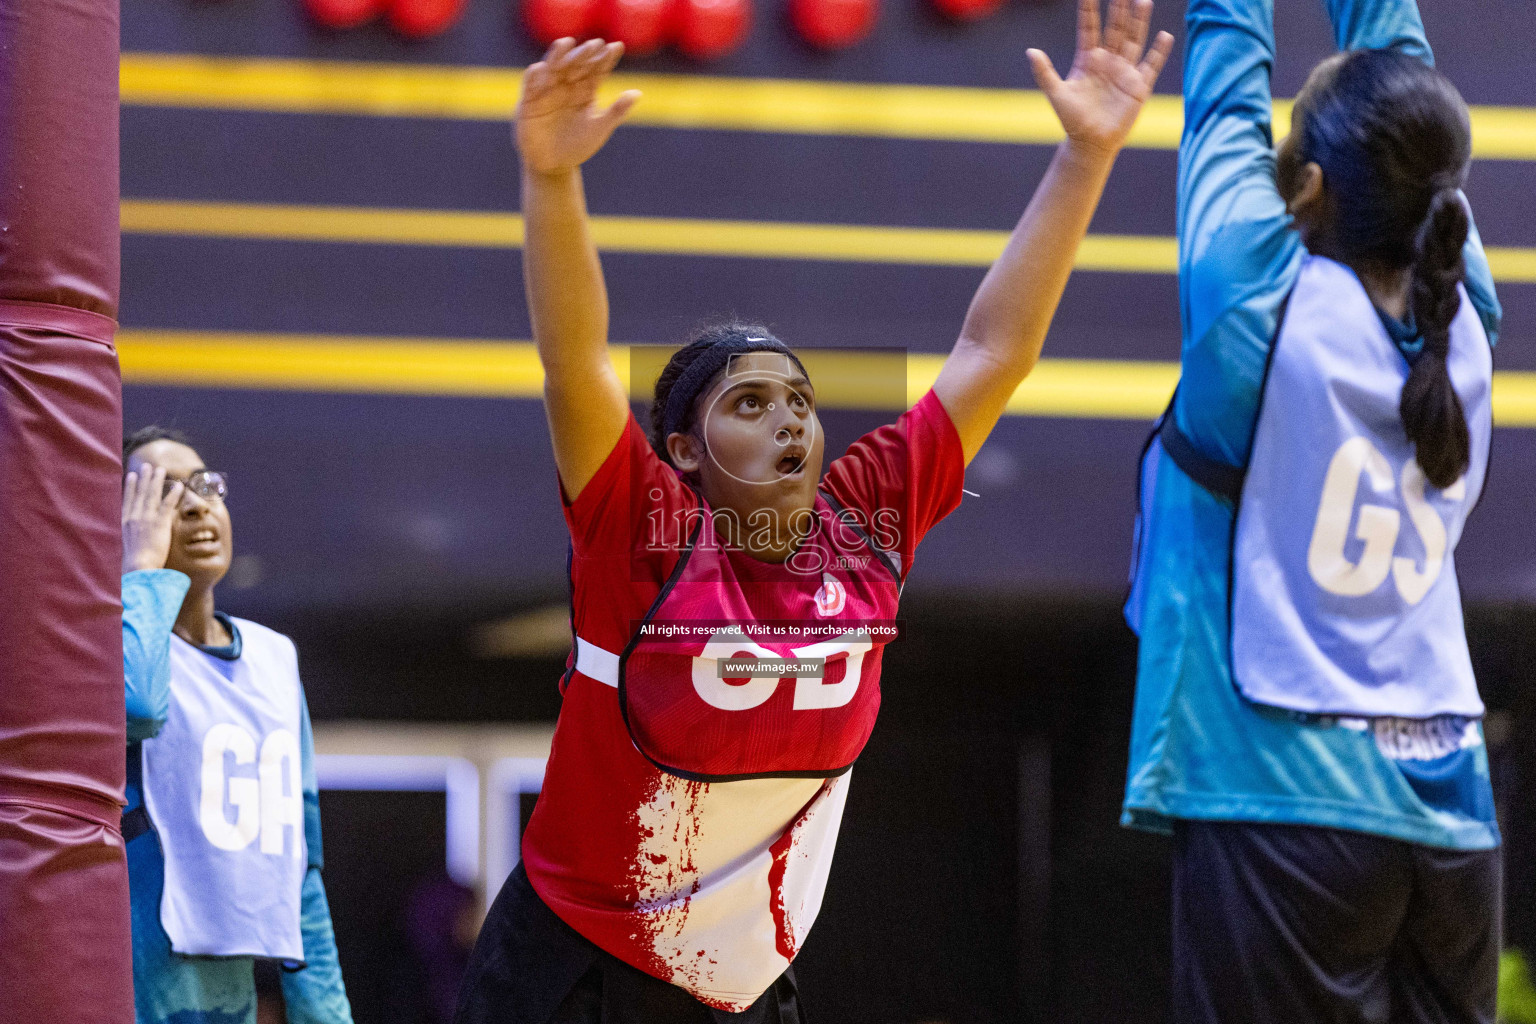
[(205, 483)]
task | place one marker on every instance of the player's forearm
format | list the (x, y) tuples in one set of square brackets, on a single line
[(567, 301), (316, 994), (1227, 153), (1229, 50), (150, 603), (1378, 24), (1012, 309)]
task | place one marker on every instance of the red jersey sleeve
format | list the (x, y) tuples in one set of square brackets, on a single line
[(902, 478), (624, 541), (633, 492)]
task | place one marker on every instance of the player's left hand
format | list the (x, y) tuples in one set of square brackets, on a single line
[(1111, 76)]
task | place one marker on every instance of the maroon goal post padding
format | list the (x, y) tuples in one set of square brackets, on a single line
[(65, 948)]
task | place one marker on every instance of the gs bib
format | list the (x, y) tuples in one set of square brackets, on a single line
[(1344, 592), (1344, 599)]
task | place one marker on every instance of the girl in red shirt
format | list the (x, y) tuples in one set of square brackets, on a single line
[(730, 602)]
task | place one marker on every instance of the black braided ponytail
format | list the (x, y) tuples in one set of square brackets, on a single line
[(1430, 407)]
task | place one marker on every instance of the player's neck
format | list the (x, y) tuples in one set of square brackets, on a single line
[(769, 533), (196, 624), (1387, 287)]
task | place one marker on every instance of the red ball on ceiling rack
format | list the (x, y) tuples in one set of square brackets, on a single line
[(967, 10), (420, 19), (643, 26), (833, 24), (710, 29), (548, 20), (343, 14)]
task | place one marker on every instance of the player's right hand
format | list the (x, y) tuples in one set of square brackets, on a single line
[(149, 513), (558, 124)]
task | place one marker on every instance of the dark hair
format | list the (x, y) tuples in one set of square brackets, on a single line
[(703, 338), (1393, 139), (149, 435)]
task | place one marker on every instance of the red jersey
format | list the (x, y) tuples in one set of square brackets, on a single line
[(711, 886)]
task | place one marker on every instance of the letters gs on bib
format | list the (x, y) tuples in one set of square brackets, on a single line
[(1359, 467), (265, 806)]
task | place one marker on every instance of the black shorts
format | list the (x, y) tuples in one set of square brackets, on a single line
[(530, 967), (1290, 924)]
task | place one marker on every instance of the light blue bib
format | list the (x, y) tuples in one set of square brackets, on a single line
[(1344, 592), (223, 785)]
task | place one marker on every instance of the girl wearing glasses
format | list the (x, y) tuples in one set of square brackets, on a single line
[(679, 850), (223, 821)]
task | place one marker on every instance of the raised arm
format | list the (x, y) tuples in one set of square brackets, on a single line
[(558, 127), (1237, 252), (1111, 77), (1226, 157)]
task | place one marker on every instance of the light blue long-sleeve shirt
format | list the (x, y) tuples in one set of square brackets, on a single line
[(1198, 748), (173, 989)]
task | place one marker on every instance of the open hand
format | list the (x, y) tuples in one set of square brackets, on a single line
[(1111, 77), (558, 124), (149, 513)]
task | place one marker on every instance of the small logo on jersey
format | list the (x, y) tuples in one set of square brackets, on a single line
[(830, 596)]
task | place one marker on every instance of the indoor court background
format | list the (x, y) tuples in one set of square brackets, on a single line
[(321, 285)]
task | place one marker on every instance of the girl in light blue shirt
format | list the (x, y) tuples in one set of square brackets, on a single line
[(176, 547), (1328, 867)]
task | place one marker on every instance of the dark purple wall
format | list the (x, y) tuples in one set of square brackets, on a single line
[(357, 502)]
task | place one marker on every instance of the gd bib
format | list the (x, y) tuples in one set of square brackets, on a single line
[(747, 669)]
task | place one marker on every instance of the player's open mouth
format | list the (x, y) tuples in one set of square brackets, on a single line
[(792, 462), (203, 540)]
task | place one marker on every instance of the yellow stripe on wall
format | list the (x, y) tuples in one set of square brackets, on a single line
[(650, 235), (1135, 254), (674, 101), (322, 223), (684, 101), (1511, 265), (297, 362), (1084, 388), (1099, 389), (1514, 398)]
